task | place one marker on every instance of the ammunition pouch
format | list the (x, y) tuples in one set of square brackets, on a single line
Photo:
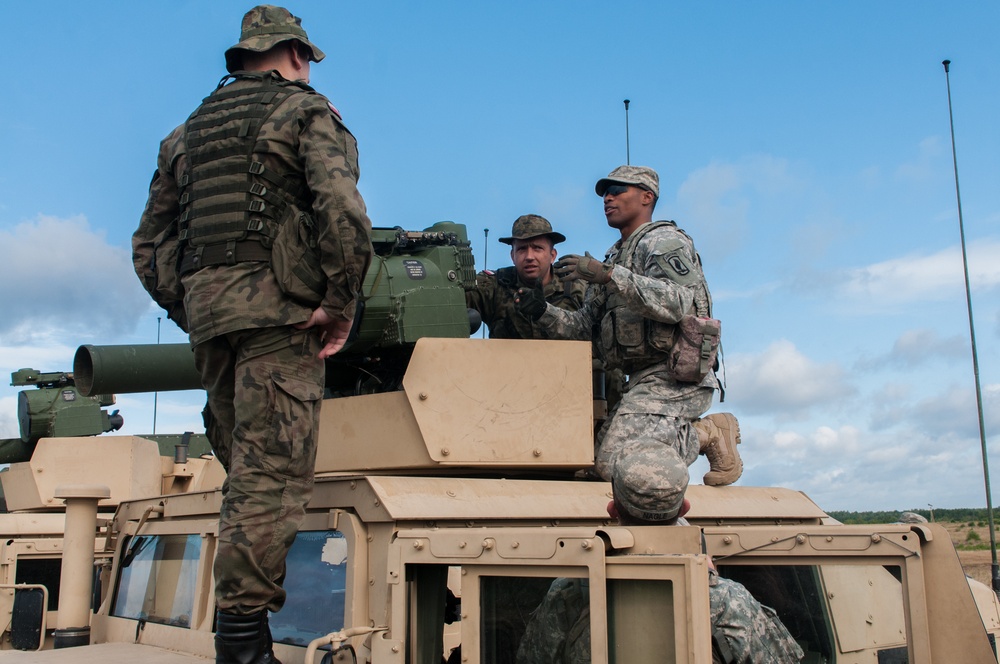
[(695, 348)]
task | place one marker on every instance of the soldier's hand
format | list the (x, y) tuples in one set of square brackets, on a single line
[(334, 331), (530, 302), (573, 266)]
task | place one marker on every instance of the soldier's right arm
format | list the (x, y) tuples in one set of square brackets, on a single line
[(161, 211), (155, 240)]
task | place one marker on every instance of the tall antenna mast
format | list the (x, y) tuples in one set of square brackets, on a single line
[(486, 253), (995, 568), (156, 394), (628, 156)]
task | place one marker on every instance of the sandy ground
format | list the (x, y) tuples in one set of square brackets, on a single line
[(976, 563)]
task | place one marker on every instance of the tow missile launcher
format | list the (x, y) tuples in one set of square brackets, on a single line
[(56, 408), (415, 288)]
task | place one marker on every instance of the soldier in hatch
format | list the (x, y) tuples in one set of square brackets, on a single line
[(650, 280), (256, 242), (648, 487), (532, 251)]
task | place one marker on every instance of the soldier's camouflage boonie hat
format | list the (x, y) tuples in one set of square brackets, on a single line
[(649, 480), (640, 176), (264, 27), (532, 225)]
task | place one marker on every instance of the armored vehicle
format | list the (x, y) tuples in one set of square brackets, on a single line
[(448, 502)]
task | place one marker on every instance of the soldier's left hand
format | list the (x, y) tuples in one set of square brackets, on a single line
[(573, 266)]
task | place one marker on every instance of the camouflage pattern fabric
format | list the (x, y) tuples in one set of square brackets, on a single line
[(264, 27), (746, 631), (265, 388), (559, 629), (649, 480), (640, 176), (751, 633), (664, 282), (494, 295), (303, 134), (263, 377)]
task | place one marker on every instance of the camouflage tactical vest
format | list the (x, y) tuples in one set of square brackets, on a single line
[(231, 205), (629, 340)]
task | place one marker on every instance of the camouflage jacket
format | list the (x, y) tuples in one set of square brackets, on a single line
[(656, 280), (744, 630), (494, 295), (303, 137)]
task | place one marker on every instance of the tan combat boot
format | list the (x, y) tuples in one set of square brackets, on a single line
[(719, 434)]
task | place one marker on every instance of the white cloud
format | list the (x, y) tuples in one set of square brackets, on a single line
[(783, 382), (932, 277), (917, 347), (59, 274)]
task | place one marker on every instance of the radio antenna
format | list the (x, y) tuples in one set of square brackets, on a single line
[(628, 156), (995, 568), (486, 253)]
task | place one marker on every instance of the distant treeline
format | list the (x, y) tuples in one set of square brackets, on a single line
[(960, 515)]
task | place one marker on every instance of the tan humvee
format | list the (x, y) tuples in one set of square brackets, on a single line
[(443, 513)]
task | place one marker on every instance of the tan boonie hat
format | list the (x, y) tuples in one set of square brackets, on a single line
[(649, 481), (264, 27), (532, 225), (640, 176)]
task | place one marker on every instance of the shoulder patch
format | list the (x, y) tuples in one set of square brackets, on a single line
[(334, 109), (489, 272)]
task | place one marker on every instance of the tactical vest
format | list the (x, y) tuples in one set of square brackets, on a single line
[(231, 205), (628, 340)]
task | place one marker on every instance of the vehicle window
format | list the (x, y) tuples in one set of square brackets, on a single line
[(156, 579), (315, 583), (45, 571), (855, 607), (640, 621), (528, 620)]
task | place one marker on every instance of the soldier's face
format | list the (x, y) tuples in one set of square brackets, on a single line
[(533, 258), (625, 204)]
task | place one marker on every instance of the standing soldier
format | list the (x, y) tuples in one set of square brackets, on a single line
[(650, 280), (256, 242), (532, 251)]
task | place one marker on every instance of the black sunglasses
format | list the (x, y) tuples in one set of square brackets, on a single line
[(615, 189)]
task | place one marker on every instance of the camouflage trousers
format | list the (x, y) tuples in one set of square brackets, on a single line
[(636, 419), (265, 388)]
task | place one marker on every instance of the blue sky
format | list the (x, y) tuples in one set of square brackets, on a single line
[(804, 146)]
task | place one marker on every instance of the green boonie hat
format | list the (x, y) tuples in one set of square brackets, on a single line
[(264, 27), (532, 225), (649, 481), (640, 176)]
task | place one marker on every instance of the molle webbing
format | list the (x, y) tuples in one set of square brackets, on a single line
[(229, 201)]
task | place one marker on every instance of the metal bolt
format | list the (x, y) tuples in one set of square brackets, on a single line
[(587, 545), (537, 452), (445, 451), (423, 396), (514, 545), (727, 539), (418, 545)]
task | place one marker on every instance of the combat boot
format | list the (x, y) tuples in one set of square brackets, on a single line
[(719, 434), (243, 639)]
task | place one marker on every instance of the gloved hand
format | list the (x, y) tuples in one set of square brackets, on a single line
[(530, 302), (586, 267)]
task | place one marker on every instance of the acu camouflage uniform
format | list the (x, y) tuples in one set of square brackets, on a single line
[(744, 630), (656, 280), (263, 164), (649, 487), (494, 296)]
